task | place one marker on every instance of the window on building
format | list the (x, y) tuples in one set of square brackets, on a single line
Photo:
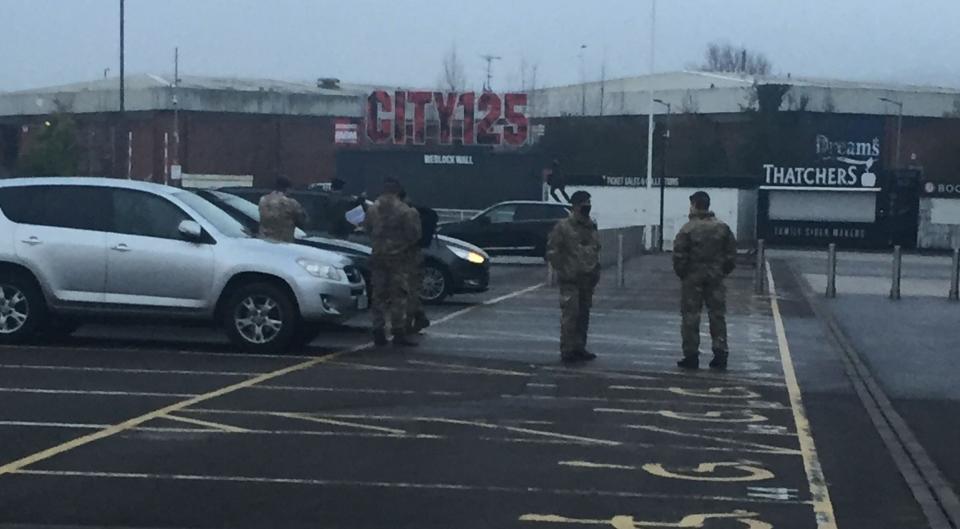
[(823, 206)]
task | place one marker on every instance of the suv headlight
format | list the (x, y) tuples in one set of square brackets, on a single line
[(321, 270), (468, 255)]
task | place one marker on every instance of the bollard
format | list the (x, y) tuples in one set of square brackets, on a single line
[(895, 282), (551, 276), (955, 276), (832, 270), (758, 272), (620, 280)]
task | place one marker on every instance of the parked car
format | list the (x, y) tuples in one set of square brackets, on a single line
[(248, 214), (510, 228), (450, 266), (79, 248)]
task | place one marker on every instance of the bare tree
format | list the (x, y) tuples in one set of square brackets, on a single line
[(452, 77), (725, 57)]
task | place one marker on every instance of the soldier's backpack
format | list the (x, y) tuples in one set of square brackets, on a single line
[(428, 225)]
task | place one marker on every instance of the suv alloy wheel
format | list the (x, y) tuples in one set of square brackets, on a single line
[(260, 318)]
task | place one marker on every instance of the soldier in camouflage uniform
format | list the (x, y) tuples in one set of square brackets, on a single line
[(280, 215), (394, 230), (704, 253), (573, 249)]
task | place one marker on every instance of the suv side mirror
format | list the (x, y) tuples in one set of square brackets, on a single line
[(190, 230)]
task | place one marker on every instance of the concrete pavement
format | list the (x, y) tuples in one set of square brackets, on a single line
[(481, 426)]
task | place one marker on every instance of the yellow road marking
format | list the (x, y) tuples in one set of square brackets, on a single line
[(822, 506), (321, 420), (729, 392), (700, 473), (207, 424), (753, 472), (588, 464), (739, 416), (691, 521), (19, 464), (14, 466), (771, 449)]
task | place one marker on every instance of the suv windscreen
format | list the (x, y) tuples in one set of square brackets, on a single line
[(501, 214), (76, 207), (220, 219), (244, 211)]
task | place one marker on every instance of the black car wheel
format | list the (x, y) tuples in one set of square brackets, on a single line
[(260, 318), (21, 308), (435, 283)]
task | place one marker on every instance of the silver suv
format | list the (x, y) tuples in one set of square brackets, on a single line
[(75, 248)]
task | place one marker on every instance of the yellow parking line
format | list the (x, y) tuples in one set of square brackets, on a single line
[(822, 506), (43, 455), (321, 420), (207, 424), (19, 464)]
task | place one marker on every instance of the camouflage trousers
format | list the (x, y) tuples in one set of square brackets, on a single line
[(576, 298), (391, 284), (415, 276), (699, 288)]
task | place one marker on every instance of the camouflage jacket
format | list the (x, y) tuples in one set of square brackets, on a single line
[(279, 217), (704, 244), (393, 226), (573, 248)]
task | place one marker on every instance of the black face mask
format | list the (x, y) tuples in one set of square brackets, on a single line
[(585, 210)]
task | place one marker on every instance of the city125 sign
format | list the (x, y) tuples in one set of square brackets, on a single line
[(475, 119)]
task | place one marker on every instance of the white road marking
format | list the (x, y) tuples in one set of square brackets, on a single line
[(391, 485), (23, 462), (129, 371), (321, 420), (100, 393), (207, 424)]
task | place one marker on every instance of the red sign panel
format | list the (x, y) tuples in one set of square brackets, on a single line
[(463, 118)]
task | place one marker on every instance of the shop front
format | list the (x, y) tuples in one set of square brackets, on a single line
[(833, 189), (939, 215)]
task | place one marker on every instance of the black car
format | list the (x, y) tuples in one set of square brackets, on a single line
[(510, 228), (450, 266)]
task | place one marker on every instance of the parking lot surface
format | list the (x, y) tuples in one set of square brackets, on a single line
[(480, 426)]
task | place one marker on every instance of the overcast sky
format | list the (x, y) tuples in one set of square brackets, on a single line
[(402, 42)]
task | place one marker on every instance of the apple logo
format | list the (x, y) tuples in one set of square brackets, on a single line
[(930, 187), (868, 180)]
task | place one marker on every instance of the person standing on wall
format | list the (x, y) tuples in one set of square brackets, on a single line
[(704, 253), (554, 179), (573, 249), (280, 215), (394, 230)]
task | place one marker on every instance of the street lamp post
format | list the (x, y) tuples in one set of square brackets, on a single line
[(899, 126), (122, 102), (663, 172)]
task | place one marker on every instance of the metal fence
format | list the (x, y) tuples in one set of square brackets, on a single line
[(455, 215)]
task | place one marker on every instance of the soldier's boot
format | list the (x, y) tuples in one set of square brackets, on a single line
[(719, 361), (571, 358), (587, 355), (402, 340), (689, 362), (379, 337), (419, 323)]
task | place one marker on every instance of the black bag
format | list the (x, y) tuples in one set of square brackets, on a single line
[(428, 225)]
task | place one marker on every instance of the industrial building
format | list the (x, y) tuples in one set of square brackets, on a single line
[(795, 161)]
